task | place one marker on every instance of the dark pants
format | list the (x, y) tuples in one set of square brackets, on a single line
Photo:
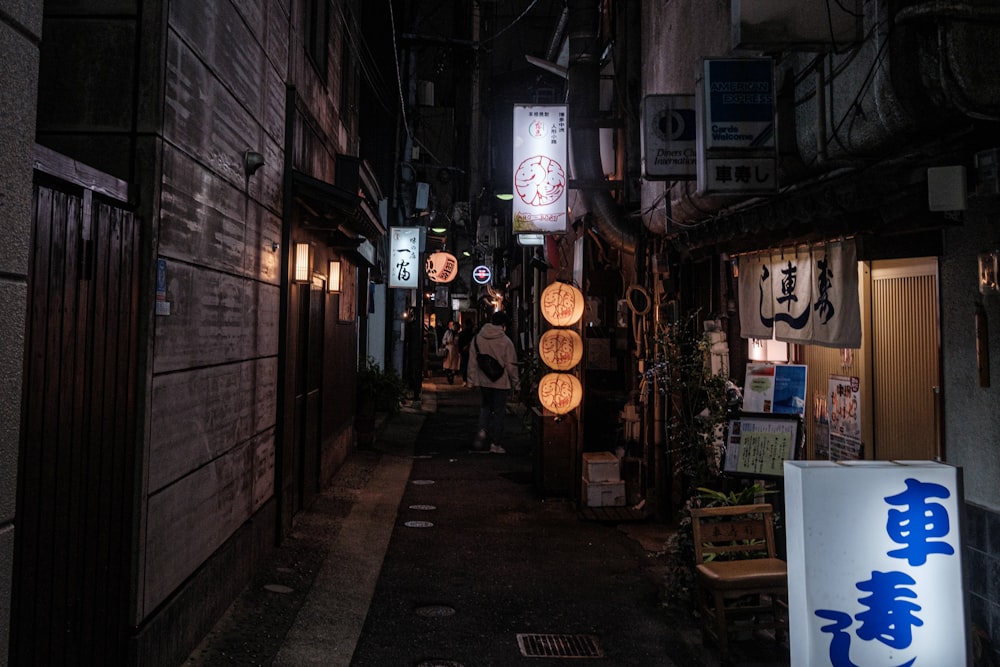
[(492, 412)]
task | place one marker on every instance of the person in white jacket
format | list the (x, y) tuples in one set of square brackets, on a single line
[(492, 339)]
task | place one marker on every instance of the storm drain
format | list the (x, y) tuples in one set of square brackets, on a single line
[(559, 646)]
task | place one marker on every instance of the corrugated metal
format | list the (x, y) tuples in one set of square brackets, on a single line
[(905, 361)]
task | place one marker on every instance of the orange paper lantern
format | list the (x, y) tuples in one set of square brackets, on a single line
[(560, 349), (441, 267), (560, 392), (562, 304)]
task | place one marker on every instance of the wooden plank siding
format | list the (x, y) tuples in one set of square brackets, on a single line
[(77, 460), (214, 384)]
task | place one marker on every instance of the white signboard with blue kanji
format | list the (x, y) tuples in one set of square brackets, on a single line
[(874, 557)]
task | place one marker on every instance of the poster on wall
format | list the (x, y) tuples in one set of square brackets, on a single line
[(777, 388), (821, 425), (844, 404)]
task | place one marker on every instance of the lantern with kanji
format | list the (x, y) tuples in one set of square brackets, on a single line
[(441, 267), (560, 349), (562, 304), (559, 393)]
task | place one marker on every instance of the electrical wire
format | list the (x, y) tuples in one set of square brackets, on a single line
[(510, 25), (399, 76)]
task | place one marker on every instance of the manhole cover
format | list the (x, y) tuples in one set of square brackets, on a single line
[(423, 508), (423, 482), (435, 611), (418, 524), (422, 456), (278, 588), (559, 646), (440, 663)]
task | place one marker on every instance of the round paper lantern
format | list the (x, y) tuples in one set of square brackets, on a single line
[(562, 304), (560, 349), (559, 392), (441, 267)]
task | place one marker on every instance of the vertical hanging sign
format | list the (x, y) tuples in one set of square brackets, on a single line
[(404, 252), (736, 148), (540, 178)]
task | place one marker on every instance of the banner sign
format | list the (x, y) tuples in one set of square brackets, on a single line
[(875, 563), (404, 254), (669, 137), (540, 176), (807, 296)]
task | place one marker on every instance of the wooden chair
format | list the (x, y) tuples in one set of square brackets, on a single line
[(742, 584)]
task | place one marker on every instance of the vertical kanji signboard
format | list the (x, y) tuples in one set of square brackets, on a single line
[(875, 564), (541, 177)]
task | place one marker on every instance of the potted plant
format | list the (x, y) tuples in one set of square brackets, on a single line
[(379, 389)]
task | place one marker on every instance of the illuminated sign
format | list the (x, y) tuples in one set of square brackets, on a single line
[(541, 177), (441, 267), (875, 563), (482, 274), (404, 253)]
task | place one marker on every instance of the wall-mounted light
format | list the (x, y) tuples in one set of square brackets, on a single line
[(333, 280), (989, 272), (252, 161), (303, 269)]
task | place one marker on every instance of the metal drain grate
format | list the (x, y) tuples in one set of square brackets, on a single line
[(559, 646)]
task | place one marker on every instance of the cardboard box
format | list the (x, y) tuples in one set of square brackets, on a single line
[(601, 467), (603, 494)]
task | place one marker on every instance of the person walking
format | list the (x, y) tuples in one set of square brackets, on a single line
[(492, 340), (452, 358), (465, 334)]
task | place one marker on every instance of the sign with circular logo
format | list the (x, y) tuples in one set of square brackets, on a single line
[(482, 274)]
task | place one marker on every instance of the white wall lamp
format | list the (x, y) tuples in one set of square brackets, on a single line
[(333, 279), (303, 267)]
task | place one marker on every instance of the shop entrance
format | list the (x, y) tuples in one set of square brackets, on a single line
[(905, 359)]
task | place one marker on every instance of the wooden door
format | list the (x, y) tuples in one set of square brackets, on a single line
[(76, 477), (905, 359)]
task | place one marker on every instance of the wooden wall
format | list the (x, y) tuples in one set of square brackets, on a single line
[(213, 400)]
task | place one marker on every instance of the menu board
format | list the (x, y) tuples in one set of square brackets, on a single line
[(759, 444)]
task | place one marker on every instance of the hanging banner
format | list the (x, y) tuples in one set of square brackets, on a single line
[(404, 254), (540, 176), (809, 297), (875, 563)]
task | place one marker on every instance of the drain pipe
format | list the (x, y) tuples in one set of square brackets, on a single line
[(582, 103)]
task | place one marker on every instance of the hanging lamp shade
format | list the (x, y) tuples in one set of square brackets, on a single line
[(441, 267), (560, 349), (562, 304), (559, 392)]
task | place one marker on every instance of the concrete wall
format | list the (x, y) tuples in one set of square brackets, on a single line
[(972, 412), (20, 31)]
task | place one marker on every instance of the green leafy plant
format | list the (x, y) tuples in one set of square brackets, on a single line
[(379, 389)]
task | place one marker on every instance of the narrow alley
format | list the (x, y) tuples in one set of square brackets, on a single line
[(423, 552)]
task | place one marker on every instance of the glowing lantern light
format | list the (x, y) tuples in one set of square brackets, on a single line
[(562, 304), (559, 392), (560, 349), (441, 267)]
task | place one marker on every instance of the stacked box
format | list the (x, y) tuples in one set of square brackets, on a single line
[(601, 467), (602, 483)]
